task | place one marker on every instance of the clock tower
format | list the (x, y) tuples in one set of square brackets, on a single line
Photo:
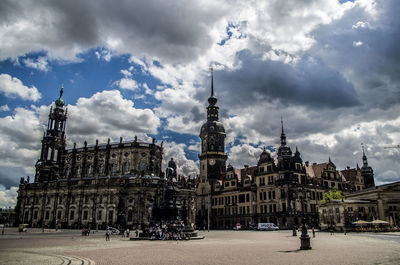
[(212, 134), (212, 160)]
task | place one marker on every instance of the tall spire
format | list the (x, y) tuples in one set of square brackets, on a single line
[(364, 157), (212, 100), (212, 81), (283, 136)]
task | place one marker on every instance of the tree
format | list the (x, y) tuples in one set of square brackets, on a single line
[(333, 194)]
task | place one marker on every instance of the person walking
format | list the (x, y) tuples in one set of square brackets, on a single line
[(313, 232), (108, 232)]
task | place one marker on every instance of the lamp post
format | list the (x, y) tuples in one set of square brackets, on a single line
[(304, 238)]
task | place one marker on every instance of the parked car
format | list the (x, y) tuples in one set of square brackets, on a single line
[(267, 227)]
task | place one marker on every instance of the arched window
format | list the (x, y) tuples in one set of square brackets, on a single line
[(55, 155), (48, 157)]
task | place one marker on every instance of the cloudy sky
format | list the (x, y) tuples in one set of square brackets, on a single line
[(329, 68)]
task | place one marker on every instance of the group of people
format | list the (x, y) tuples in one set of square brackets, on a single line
[(173, 231), (85, 231)]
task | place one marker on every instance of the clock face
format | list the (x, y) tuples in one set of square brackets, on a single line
[(211, 162)]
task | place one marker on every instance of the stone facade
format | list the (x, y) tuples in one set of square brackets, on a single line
[(380, 202), (279, 190), (112, 184)]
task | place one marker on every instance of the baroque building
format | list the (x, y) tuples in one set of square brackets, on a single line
[(279, 190), (107, 184)]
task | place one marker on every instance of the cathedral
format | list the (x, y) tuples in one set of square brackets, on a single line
[(117, 184), (280, 190)]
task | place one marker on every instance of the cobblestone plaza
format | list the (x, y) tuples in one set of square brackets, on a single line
[(218, 247)]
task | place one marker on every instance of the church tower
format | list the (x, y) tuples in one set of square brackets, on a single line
[(366, 172), (212, 134), (48, 167), (212, 160), (284, 153)]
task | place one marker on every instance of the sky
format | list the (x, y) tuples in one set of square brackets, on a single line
[(330, 69)]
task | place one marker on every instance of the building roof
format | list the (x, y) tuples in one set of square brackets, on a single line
[(349, 174), (315, 170)]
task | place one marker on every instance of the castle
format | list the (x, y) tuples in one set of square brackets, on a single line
[(271, 191)]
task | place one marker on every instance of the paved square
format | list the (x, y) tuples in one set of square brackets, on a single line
[(219, 247)]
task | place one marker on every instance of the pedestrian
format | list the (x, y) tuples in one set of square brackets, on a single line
[(344, 231), (313, 232), (108, 232), (331, 230)]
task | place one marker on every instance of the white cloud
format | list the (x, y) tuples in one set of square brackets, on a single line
[(13, 87), (8, 197), (19, 144), (357, 43), (40, 63), (147, 90), (126, 73), (244, 154), (360, 24), (104, 54), (127, 83), (176, 151), (4, 108), (118, 118)]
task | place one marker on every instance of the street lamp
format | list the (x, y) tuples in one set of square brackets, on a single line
[(304, 238)]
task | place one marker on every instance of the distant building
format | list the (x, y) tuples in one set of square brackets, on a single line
[(380, 202), (110, 184), (270, 191)]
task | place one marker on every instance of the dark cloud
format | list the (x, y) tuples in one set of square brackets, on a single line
[(309, 82), (364, 47), (10, 176), (173, 31)]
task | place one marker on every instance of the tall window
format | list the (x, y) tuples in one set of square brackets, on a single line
[(99, 214), (85, 215), (130, 216), (72, 215), (110, 215)]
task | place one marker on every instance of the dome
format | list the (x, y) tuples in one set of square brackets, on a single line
[(212, 127)]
